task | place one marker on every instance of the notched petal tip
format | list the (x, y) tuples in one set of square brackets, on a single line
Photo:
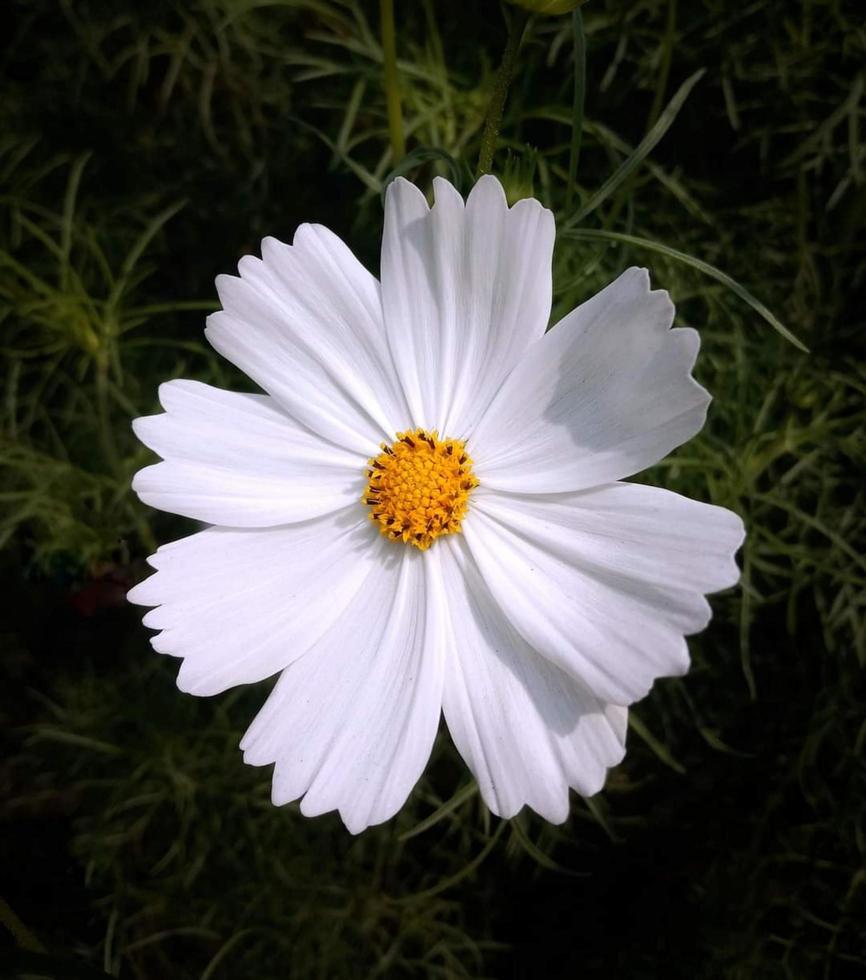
[(216, 330), (162, 645), (730, 573), (212, 320), (739, 530), (633, 286), (141, 482), (153, 618), (354, 825), (197, 686), (557, 811), (146, 429), (544, 214), (306, 233), (138, 594), (487, 192), (253, 755), (271, 243), (680, 665), (354, 829), (702, 400), (635, 278), (167, 389), (249, 266), (278, 798), (402, 192), (689, 340), (141, 425), (663, 298), (445, 194), (225, 285)]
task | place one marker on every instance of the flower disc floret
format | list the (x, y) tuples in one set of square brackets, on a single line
[(419, 487)]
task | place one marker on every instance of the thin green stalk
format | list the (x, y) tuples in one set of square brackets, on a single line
[(493, 119), (457, 800), (23, 937), (665, 68), (392, 84), (603, 235), (106, 436), (627, 168), (577, 105), (461, 875)]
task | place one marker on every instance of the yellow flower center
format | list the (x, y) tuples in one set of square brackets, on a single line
[(419, 487)]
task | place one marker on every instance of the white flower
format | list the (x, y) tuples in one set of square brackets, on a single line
[(394, 417)]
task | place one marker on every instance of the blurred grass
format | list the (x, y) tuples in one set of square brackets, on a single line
[(145, 148)]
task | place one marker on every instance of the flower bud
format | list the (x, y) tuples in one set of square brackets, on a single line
[(518, 174)]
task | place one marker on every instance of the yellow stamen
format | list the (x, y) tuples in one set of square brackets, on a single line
[(419, 487)]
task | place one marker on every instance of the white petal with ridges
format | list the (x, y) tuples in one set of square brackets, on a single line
[(629, 532), (606, 393), (239, 460), (305, 323), (350, 726), (240, 605), (593, 582), (465, 290), (526, 729)]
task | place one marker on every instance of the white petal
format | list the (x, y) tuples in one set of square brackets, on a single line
[(628, 531), (465, 290), (605, 583), (350, 726), (305, 323), (239, 460), (526, 729), (605, 394), (240, 605)]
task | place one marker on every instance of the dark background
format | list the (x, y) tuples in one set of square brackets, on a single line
[(144, 147)]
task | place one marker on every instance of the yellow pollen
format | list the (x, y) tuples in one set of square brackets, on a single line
[(419, 487)]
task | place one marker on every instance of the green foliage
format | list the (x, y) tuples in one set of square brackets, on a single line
[(148, 146)]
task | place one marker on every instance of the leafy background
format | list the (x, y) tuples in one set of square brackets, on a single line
[(146, 147)]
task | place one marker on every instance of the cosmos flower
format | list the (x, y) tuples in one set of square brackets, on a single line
[(424, 514)]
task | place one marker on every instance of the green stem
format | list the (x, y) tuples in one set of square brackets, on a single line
[(665, 67), (392, 85), (493, 120), (577, 105), (106, 438), (23, 937)]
